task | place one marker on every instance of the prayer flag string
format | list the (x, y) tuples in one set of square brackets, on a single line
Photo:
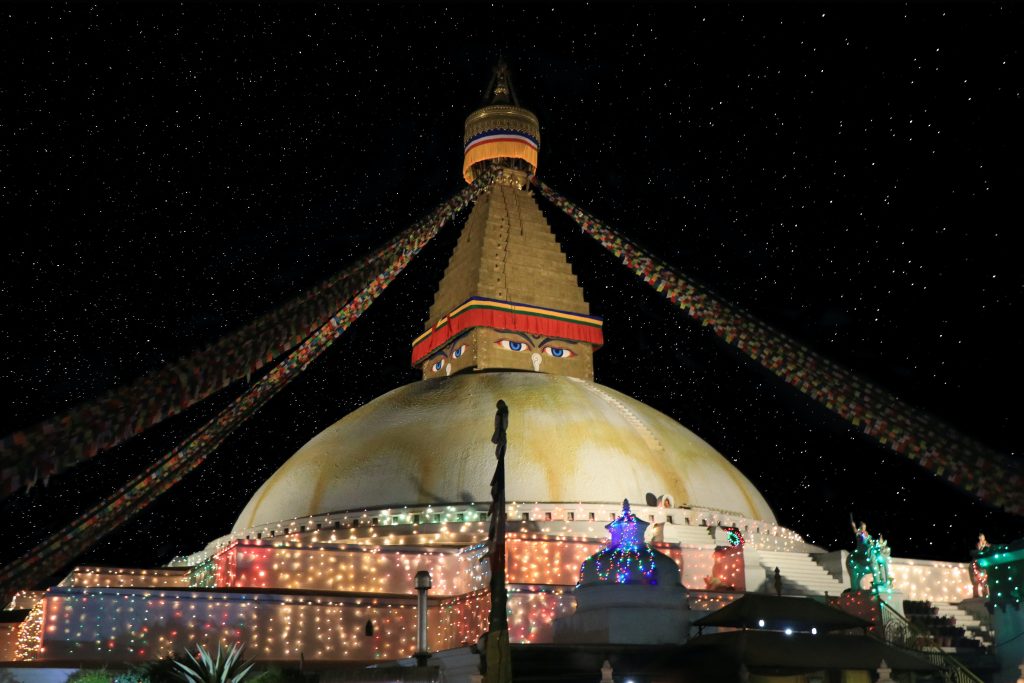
[(63, 546), (969, 465), (80, 433)]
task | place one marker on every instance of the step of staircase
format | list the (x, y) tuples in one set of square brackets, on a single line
[(689, 535), (801, 575), (972, 626)]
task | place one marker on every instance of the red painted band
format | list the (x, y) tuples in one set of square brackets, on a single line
[(505, 320)]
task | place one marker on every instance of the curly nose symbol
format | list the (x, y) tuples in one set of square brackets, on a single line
[(536, 362)]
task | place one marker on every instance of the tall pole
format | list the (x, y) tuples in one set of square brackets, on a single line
[(498, 659), (423, 584)]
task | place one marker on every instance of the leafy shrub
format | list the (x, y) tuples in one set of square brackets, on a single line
[(91, 676), (227, 667)]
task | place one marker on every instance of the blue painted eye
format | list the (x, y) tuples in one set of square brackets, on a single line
[(559, 352), (459, 351), (510, 345), (436, 367)]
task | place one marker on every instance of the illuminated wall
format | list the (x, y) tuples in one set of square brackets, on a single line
[(377, 570), (537, 560), (312, 586), (287, 598), (466, 524), (931, 580), (9, 641), (364, 569), (136, 624), (91, 577)]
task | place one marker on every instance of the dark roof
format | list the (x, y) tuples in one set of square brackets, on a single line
[(779, 613), (13, 616), (773, 651), (387, 673), (581, 663)]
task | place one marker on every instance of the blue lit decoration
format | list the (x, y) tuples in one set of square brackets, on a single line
[(627, 558), (1004, 565)]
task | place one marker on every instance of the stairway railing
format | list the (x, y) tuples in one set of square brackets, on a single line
[(899, 631)]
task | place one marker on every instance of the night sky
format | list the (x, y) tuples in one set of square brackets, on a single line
[(848, 173)]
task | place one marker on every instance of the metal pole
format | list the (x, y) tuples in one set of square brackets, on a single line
[(423, 584)]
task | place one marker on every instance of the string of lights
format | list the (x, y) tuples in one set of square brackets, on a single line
[(314, 592)]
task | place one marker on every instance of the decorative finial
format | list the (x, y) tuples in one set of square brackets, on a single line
[(500, 130), (503, 93), (625, 506)]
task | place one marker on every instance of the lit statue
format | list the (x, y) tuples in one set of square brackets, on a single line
[(869, 558), (979, 577), (881, 565)]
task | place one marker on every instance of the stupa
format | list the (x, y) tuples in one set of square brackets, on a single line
[(509, 321), (628, 593), (320, 565)]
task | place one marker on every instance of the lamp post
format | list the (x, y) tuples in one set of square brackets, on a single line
[(423, 584)]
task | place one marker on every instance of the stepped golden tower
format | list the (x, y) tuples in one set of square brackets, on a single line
[(509, 299)]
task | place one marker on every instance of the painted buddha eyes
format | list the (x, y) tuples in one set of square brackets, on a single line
[(553, 351), (511, 345), (439, 365)]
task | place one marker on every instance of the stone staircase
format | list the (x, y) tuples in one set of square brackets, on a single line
[(972, 626), (689, 535), (801, 575)]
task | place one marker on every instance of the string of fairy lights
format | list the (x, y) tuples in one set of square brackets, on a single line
[(581, 521), (347, 593), (141, 624), (627, 558)]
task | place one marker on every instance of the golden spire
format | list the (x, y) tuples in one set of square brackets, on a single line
[(509, 299), (501, 131)]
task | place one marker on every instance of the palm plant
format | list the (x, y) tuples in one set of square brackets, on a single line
[(226, 668)]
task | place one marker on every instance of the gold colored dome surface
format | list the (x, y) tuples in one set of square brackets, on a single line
[(569, 441)]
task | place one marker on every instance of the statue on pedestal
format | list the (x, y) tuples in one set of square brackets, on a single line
[(979, 577), (870, 557)]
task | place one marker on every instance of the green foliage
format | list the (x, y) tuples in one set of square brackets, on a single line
[(91, 676), (155, 671), (226, 667), (134, 676), (160, 671)]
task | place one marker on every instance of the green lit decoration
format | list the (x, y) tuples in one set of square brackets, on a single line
[(204, 574), (869, 558), (733, 536), (1004, 567)]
